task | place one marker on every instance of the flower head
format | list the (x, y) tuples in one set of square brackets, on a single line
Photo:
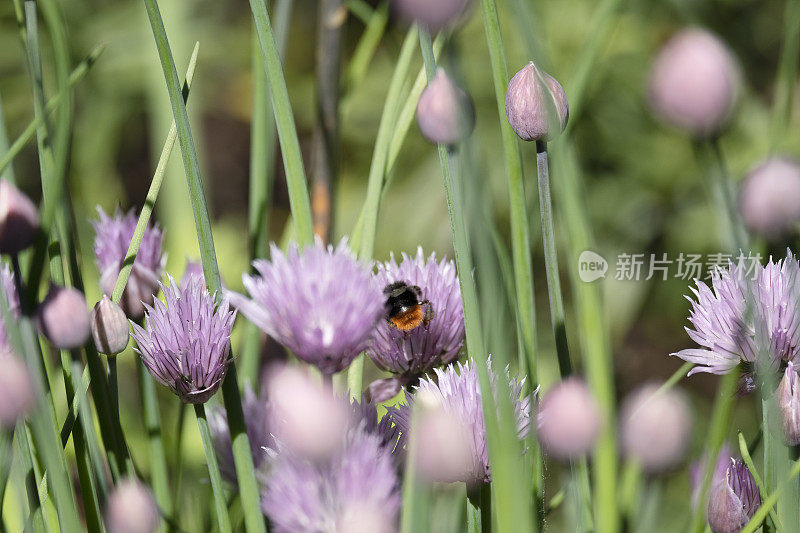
[(409, 354), (185, 341), (740, 313), (434, 14), (17, 392), (132, 509), (459, 395), (63, 318), (19, 220), (734, 499), (113, 236), (655, 427), (355, 490), (319, 302), (257, 420), (109, 327), (445, 113), (569, 419), (694, 82), (531, 97), (769, 199)]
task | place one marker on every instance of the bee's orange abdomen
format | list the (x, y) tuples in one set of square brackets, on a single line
[(409, 319)]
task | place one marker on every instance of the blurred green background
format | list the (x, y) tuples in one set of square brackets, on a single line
[(644, 187)]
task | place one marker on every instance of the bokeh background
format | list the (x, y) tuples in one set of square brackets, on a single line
[(644, 184)]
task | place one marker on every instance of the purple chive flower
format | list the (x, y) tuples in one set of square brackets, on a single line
[(734, 499), (356, 490), (459, 395), (410, 354), (113, 236), (319, 302), (729, 333), (186, 340), (257, 420)]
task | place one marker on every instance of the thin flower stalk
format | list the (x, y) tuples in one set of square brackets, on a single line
[(504, 451), (254, 522)]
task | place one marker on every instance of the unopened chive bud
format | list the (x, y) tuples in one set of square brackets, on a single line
[(789, 403), (442, 451), (693, 82), (19, 220), (17, 396), (569, 420), (445, 114), (435, 14), (63, 318), (309, 419), (655, 428), (734, 499), (536, 105), (109, 327), (770, 198), (131, 509)]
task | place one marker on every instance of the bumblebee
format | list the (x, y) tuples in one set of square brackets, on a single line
[(405, 308)]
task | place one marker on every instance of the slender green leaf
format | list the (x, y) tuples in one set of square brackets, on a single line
[(287, 132)]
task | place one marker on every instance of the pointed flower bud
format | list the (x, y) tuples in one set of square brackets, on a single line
[(770, 197), (734, 499), (131, 509), (536, 105), (789, 403), (109, 327), (19, 220), (17, 396), (445, 114), (569, 420), (186, 340), (694, 82), (655, 427), (63, 318), (434, 14)]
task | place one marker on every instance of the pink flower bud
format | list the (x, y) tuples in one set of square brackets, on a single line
[(770, 197), (444, 112), (441, 449), (789, 403), (733, 500), (693, 82), (569, 420), (131, 509), (17, 397), (655, 428), (19, 220), (63, 318), (309, 419), (434, 14), (536, 105), (109, 327)]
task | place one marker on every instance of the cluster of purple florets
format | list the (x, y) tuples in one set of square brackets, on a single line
[(324, 462)]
